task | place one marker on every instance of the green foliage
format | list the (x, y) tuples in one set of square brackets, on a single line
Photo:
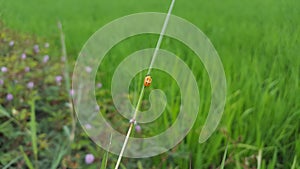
[(33, 131), (37, 114), (258, 42), (27, 161), (224, 158)]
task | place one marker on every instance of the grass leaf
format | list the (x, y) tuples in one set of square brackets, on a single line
[(33, 131), (259, 158), (3, 112), (105, 158), (55, 162), (294, 163), (224, 158), (27, 161), (11, 162)]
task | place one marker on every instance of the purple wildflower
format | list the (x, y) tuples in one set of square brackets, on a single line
[(138, 128), (36, 48), (58, 79), (72, 92), (30, 85), (99, 85), (89, 158), (23, 56), (88, 69), (1, 82), (9, 97), (27, 69), (46, 58), (11, 43), (3, 69)]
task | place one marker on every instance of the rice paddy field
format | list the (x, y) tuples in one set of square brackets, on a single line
[(257, 41)]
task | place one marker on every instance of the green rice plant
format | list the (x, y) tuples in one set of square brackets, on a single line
[(258, 42), (259, 158), (295, 165)]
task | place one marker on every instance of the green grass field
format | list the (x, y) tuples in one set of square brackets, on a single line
[(258, 43)]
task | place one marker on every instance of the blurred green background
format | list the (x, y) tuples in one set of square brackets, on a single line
[(258, 43)]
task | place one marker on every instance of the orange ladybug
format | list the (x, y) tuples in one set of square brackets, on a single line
[(147, 81)]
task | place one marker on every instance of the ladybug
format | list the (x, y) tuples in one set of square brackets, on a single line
[(147, 81)]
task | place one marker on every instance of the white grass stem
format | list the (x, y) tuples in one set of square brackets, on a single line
[(143, 88), (161, 36), (124, 146)]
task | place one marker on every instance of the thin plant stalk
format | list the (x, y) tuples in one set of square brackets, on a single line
[(259, 159), (124, 146), (224, 158), (33, 132), (67, 80), (27, 161), (143, 88), (105, 159)]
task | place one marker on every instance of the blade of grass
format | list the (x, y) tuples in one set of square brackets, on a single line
[(11, 162), (237, 161), (224, 158), (105, 159), (139, 165), (3, 112), (259, 157), (56, 161), (27, 161), (294, 163), (274, 159), (6, 114), (67, 79), (33, 132)]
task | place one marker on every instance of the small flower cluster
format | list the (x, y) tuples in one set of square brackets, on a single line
[(27, 79), (29, 71)]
